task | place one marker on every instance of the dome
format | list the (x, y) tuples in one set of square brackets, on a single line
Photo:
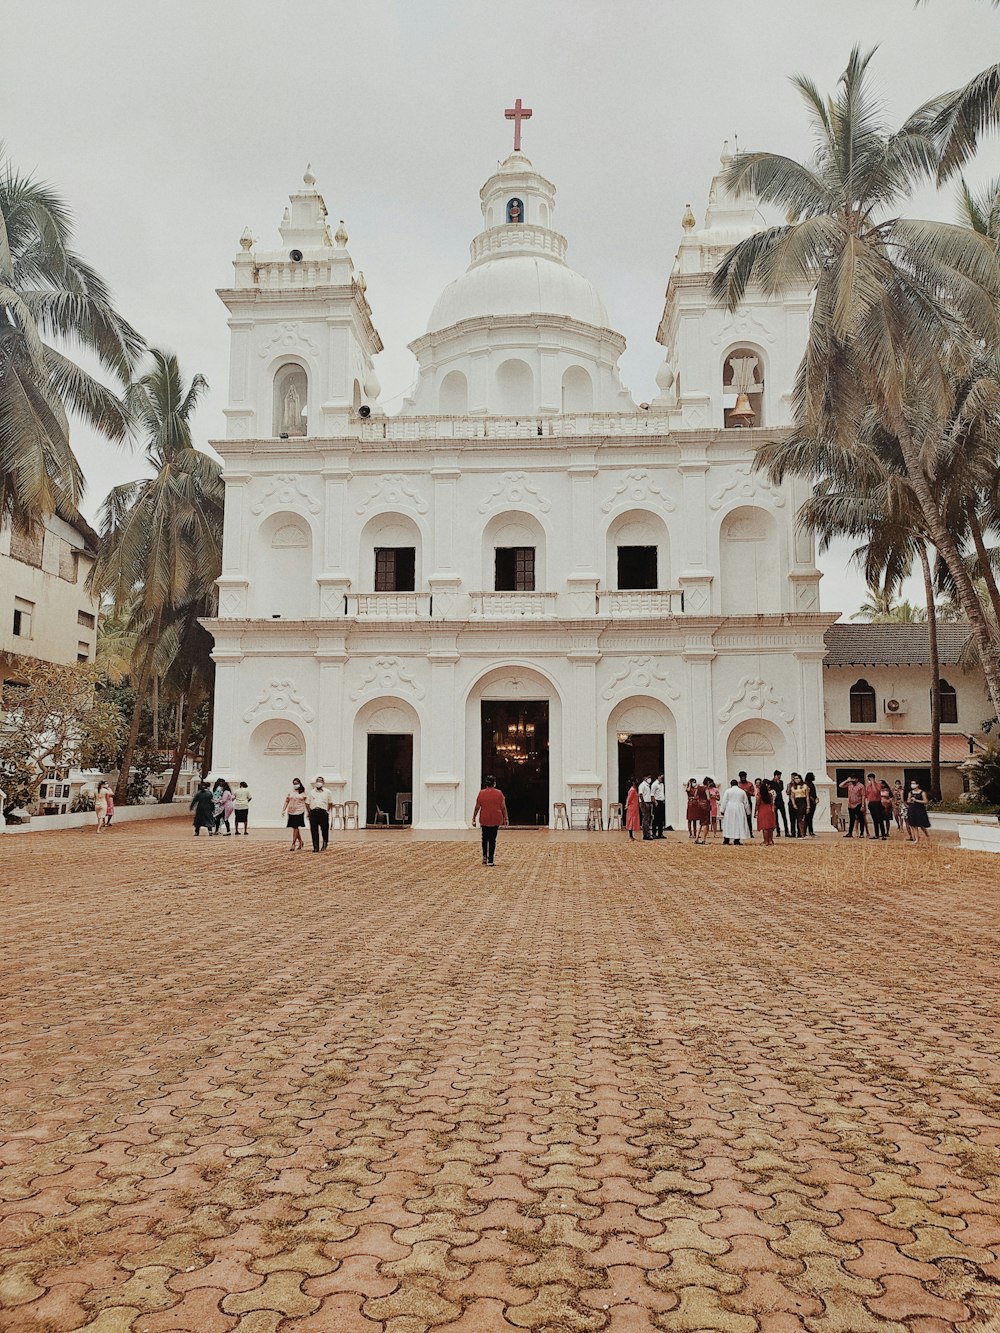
[(518, 285)]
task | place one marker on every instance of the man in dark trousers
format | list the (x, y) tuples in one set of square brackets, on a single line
[(319, 803), (491, 811), (746, 785), (778, 793), (203, 806)]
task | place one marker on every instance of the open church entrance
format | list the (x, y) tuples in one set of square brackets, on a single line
[(390, 778), (515, 735), (640, 755)]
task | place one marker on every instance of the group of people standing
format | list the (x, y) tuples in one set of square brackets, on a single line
[(733, 811), (221, 804), (885, 805)]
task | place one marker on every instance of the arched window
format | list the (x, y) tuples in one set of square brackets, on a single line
[(750, 563), (577, 390), (291, 398), (282, 584), (515, 388), (742, 373), (949, 701), (515, 210), (454, 394), (862, 701)]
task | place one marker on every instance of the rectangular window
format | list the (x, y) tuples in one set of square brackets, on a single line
[(22, 617), (85, 619), (395, 568), (949, 704), (636, 567), (514, 569), (863, 707)]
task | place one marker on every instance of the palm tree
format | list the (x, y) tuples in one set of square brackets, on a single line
[(881, 605), (900, 306), (48, 292), (161, 538)]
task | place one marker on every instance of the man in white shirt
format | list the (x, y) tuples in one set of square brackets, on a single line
[(646, 807), (659, 806), (319, 803)]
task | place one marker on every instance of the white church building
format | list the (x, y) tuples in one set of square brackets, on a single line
[(524, 572)]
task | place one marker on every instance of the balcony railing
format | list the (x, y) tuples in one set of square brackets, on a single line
[(513, 605), (640, 602), (388, 605)]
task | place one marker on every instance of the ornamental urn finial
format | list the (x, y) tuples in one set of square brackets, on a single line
[(340, 235), (688, 221)]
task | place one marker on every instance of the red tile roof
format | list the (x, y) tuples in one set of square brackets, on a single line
[(882, 747)]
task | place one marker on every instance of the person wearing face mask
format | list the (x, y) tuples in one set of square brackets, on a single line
[(319, 803)]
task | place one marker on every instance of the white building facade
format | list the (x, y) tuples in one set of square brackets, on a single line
[(523, 573)]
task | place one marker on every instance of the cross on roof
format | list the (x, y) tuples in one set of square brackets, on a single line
[(517, 113)]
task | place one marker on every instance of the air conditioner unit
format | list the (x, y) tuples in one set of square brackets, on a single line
[(895, 707)]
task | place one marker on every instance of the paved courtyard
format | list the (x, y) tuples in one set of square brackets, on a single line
[(601, 1087)]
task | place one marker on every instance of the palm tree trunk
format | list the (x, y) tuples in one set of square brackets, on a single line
[(180, 751), (985, 564), (947, 548), (121, 789), (932, 636)]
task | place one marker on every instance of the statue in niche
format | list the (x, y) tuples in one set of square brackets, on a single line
[(515, 212), (291, 415)]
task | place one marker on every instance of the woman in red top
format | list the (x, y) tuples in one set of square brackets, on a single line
[(702, 805), (633, 819), (491, 809), (767, 815)]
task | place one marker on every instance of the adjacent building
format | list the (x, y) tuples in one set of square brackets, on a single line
[(878, 703)]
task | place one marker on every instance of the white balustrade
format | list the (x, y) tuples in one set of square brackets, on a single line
[(513, 605), (640, 602)]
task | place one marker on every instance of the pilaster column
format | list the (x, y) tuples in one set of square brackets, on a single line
[(695, 576), (701, 742), (811, 727), (444, 580), (334, 579), (583, 578), (332, 746), (580, 739), (442, 744)]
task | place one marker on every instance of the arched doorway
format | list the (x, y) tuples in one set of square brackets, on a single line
[(642, 742), (513, 731), (386, 755), (276, 754), (757, 746)]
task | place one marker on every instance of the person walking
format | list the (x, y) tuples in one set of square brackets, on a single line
[(241, 808), (225, 812), (767, 818), (659, 796), (203, 805), (295, 808), (703, 810), (778, 801), (899, 804), (491, 811), (646, 807), (917, 818), (812, 801), (633, 815), (747, 786), (101, 806), (690, 788), (319, 803), (873, 800), (855, 789), (735, 810)]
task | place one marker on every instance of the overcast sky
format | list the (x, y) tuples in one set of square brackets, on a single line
[(171, 126)]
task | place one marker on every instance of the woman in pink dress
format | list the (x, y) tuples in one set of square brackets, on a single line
[(633, 822)]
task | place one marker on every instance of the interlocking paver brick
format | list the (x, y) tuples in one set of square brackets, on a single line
[(618, 1088)]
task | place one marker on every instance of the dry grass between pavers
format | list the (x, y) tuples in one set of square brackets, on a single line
[(587, 1082)]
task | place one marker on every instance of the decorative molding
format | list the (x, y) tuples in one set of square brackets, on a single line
[(285, 489), (758, 696), (742, 324), (394, 489), (753, 742), (637, 486), (643, 673), (285, 742), (515, 488), (290, 336), (388, 673), (743, 484), (280, 695)]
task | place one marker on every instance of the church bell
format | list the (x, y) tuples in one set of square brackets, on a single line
[(743, 412)]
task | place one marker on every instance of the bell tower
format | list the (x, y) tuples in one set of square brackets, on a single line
[(302, 338)]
